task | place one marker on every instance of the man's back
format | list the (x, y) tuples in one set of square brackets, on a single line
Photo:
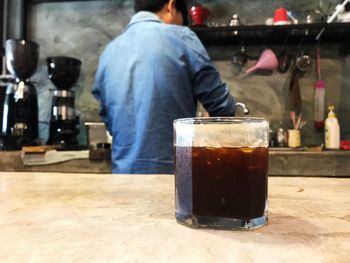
[(145, 80)]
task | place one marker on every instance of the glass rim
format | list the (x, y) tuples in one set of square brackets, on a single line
[(219, 120)]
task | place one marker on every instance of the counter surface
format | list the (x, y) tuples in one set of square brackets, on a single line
[(282, 162), (58, 217)]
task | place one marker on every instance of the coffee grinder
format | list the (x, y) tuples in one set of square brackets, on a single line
[(19, 125), (64, 74)]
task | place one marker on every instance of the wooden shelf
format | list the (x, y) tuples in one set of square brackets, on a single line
[(274, 35), (57, 1)]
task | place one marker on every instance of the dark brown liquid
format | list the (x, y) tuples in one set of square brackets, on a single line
[(221, 182)]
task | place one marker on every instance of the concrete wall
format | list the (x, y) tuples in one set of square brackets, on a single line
[(82, 29)]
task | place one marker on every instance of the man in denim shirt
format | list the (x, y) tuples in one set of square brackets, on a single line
[(151, 74)]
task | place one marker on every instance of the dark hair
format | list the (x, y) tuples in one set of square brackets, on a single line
[(156, 5)]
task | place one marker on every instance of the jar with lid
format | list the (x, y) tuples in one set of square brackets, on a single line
[(281, 137)]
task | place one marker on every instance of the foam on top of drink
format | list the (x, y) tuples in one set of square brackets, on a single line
[(240, 134)]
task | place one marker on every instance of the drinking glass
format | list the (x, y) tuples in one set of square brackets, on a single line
[(221, 172)]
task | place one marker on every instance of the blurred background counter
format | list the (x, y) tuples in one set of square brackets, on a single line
[(282, 162)]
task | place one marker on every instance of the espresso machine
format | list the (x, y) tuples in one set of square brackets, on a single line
[(64, 74), (19, 126)]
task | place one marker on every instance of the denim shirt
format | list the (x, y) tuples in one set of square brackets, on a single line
[(150, 75)]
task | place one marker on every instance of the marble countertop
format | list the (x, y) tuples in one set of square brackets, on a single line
[(61, 217)]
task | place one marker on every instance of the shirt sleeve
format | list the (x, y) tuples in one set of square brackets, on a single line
[(99, 94), (208, 87)]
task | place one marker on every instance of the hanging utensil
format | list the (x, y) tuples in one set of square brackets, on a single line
[(319, 95), (284, 61), (240, 58), (4, 35), (303, 61), (294, 92)]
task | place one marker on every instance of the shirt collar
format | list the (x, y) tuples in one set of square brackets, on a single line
[(144, 16)]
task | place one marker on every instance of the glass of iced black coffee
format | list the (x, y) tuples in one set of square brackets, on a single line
[(221, 172)]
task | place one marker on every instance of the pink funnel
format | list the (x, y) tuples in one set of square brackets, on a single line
[(267, 61)]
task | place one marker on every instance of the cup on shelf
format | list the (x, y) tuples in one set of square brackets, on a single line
[(281, 17), (199, 14)]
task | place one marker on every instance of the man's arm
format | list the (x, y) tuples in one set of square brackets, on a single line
[(208, 87), (99, 93)]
